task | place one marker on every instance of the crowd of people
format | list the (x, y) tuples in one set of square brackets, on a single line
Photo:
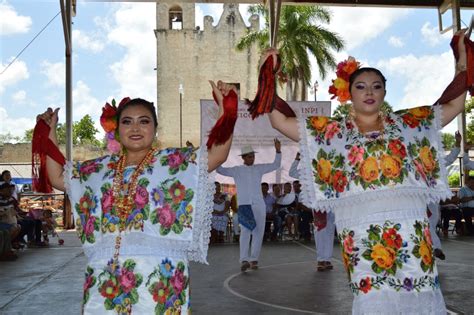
[(20, 228)]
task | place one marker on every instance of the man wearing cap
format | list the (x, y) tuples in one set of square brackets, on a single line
[(247, 178)]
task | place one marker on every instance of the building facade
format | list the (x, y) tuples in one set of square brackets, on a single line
[(187, 57)]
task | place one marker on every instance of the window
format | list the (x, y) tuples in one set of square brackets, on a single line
[(176, 18)]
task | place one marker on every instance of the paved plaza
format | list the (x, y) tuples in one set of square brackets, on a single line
[(49, 280)]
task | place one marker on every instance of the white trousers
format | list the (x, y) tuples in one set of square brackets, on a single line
[(235, 223), (250, 250), (433, 220), (324, 239)]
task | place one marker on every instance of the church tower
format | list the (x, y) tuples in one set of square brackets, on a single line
[(187, 57)]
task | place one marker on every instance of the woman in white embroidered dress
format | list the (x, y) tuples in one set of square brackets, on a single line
[(220, 216), (377, 173), (143, 214)]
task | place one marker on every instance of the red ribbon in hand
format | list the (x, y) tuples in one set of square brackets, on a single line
[(224, 126)]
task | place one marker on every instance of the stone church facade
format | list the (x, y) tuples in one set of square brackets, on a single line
[(188, 57)]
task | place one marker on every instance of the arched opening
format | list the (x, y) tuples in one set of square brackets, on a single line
[(176, 18)]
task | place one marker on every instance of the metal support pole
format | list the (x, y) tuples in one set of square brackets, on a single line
[(181, 91), (69, 83)]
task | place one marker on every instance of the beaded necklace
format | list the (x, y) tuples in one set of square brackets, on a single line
[(125, 193)]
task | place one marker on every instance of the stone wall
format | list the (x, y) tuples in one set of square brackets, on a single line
[(191, 57), (21, 152)]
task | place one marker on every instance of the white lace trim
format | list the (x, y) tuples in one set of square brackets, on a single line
[(307, 194), (397, 303), (437, 122), (67, 175), (204, 204)]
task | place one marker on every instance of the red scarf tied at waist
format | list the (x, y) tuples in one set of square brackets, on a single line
[(42, 146)]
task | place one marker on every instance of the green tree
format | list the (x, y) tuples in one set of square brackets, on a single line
[(342, 110), (300, 32), (8, 138), (84, 131), (28, 137), (448, 141)]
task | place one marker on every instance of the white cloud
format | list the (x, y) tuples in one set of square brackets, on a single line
[(55, 72), (15, 73), (431, 35), (15, 126), (87, 42), (365, 23), (425, 77), (396, 41), (11, 22), (19, 97), (84, 102), (133, 29)]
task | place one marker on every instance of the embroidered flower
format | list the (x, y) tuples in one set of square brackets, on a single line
[(421, 112), (107, 200), (397, 148), (157, 196), (160, 292), (365, 285), (175, 159), (178, 281), (383, 256), (166, 216), (324, 170), (166, 268), (177, 192), (339, 181), (427, 235), (391, 166), (141, 197), (369, 169), (109, 289), (408, 284), (356, 155), (331, 130), (392, 238), (90, 226), (127, 280), (348, 244), (426, 157), (426, 253), (410, 120), (319, 123)]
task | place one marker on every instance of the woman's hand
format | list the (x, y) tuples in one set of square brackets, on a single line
[(50, 117), (462, 60), (220, 90)]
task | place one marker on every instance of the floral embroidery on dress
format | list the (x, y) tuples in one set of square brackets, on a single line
[(425, 160), (410, 284), (350, 252), (110, 217), (386, 248), (423, 248), (173, 207), (87, 223), (323, 129), (118, 285), (85, 169), (88, 283), (417, 117), (329, 173), (169, 287), (366, 284), (111, 166), (177, 159), (142, 208)]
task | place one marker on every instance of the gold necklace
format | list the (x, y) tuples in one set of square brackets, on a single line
[(124, 193)]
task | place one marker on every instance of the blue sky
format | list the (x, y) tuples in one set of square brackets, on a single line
[(114, 55)]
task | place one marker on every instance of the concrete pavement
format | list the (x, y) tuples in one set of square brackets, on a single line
[(49, 280)]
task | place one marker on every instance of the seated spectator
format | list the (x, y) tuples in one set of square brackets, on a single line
[(219, 215), (235, 217), (466, 197), (48, 224), (449, 209), (287, 210), (8, 220), (277, 220)]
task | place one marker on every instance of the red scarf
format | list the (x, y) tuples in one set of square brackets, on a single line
[(224, 126), (266, 98), (42, 146)]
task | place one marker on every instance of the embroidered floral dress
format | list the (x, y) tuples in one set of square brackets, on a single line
[(168, 226), (379, 185)]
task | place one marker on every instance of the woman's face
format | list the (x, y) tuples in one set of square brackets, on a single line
[(136, 129), (367, 93)]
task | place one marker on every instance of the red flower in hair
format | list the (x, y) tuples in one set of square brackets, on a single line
[(340, 86), (108, 119)]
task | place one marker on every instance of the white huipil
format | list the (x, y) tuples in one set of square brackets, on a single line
[(248, 180), (378, 185)]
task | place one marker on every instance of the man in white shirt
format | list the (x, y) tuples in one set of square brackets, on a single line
[(324, 228), (434, 208), (247, 178)]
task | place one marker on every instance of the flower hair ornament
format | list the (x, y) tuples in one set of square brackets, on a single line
[(340, 86), (108, 121)]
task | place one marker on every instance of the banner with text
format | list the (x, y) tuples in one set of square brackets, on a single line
[(259, 134)]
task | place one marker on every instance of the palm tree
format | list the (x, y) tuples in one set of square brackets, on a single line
[(300, 32)]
